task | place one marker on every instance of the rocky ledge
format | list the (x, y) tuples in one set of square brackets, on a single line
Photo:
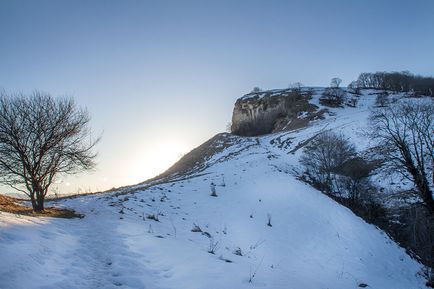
[(264, 112)]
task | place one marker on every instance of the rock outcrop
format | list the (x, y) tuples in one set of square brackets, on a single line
[(265, 112)]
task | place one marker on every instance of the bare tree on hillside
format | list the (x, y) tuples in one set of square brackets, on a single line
[(382, 99), (296, 86), (404, 132), (40, 138), (354, 87), (333, 95), (335, 82), (323, 155)]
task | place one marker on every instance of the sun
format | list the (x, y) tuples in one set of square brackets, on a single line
[(156, 159)]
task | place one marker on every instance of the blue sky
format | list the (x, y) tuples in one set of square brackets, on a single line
[(161, 77)]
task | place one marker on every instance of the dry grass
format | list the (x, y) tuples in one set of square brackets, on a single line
[(14, 206)]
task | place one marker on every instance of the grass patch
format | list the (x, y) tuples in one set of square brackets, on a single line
[(14, 206)]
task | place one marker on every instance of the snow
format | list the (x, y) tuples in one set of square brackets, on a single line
[(313, 242)]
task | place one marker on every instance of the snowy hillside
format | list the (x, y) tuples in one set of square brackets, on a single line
[(263, 229)]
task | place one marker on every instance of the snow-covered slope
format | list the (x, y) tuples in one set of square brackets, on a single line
[(312, 242)]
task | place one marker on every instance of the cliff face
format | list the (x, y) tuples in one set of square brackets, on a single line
[(265, 112)]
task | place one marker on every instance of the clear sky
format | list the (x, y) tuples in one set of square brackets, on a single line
[(161, 77)]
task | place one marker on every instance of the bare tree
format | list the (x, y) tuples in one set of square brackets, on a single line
[(323, 155), (40, 138), (354, 87), (382, 99), (353, 178), (335, 82), (333, 95), (296, 86), (404, 132)]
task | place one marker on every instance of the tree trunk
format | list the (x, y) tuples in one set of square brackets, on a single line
[(425, 191), (39, 204), (32, 197), (420, 180)]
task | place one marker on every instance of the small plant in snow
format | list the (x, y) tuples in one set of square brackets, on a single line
[(173, 227), (153, 217), (196, 229), (238, 251), (253, 273), (213, 246), (213, 190), (269, 220), (257, 244), (223, 184), (224, 259), (163, 198)]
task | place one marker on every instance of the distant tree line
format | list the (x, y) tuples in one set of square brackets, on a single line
[(397, 82)]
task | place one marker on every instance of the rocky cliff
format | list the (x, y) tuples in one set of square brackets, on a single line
[(263, 112)]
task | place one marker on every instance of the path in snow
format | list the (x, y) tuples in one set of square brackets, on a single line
[(78, 253)]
